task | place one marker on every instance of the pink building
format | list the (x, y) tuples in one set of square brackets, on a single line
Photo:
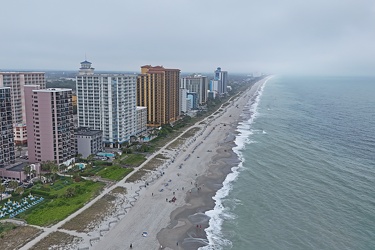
[(17, 81), (49, 120)]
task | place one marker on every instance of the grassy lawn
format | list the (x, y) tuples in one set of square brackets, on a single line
[(52, 210), (95, 214), (115, 172), (133, 160)]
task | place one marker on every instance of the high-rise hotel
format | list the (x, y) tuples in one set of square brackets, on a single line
[(196, 84), (49, 119), (158, 90), (220, 82), (7, 155), (107, 102), (16, 81)]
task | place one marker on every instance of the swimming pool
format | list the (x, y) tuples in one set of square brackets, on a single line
[(81, 165), (106, 154)]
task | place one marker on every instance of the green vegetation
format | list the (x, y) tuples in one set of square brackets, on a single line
[(133, 160), (5, 227), (115, 173), (62, 83), (63, 198)]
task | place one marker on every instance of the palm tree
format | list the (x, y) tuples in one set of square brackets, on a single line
[(63, 167), (13, 184), (54, 169), (126, 150), (19, 149), (2, 190), (70, 192), (46, 166), (33, 172), (133, 138), (19, 190), (27, 171), (90, 157)]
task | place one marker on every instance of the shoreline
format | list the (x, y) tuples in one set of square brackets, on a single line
[(169, 197), (188, 224), (166, 208)]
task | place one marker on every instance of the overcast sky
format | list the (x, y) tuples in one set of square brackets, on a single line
[(272, 36)]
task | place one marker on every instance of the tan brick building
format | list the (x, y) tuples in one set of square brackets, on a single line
[(158, 90)]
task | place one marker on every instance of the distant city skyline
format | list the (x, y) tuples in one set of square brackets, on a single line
[(310, 37)]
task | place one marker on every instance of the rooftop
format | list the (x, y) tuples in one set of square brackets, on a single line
[(86, 131)]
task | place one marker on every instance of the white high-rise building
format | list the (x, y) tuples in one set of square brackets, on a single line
[(183, 101), (196, 84), (220, 82), (107, 102)]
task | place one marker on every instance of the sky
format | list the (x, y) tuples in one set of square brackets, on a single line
[(325, 37)]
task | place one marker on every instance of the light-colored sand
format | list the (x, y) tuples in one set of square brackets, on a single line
[(151, 212)]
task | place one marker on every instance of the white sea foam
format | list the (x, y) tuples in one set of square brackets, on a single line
[(219, 213)]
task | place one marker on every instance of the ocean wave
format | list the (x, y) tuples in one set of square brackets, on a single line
[(214, 233)]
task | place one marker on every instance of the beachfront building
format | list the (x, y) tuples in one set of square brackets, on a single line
[(20, 134), (7, 154), (16, 81), (141, 120), (107, 102), (49, 120), (88, 141), (196, 84), (183, 101), (220, 82), (193, 100), (158, 90)]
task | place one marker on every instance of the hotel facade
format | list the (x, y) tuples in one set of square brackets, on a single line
[(16, 81), (107, 102), (7, 154), (196, 84), (158, 90), (49, 120), (220, 82)]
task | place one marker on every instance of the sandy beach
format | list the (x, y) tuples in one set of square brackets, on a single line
[(166, 209), (195, 172)]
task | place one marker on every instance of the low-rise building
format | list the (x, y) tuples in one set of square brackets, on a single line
[(88, 141)]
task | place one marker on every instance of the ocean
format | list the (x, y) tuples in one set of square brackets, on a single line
[(307, 174)]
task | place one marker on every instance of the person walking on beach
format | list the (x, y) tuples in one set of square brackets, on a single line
[(131, 245)]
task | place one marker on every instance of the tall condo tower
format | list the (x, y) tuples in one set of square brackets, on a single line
[(158, 90), (49, 116), (7, 155), (16, 81), (107, 102), (196, 84), (220, 82)]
